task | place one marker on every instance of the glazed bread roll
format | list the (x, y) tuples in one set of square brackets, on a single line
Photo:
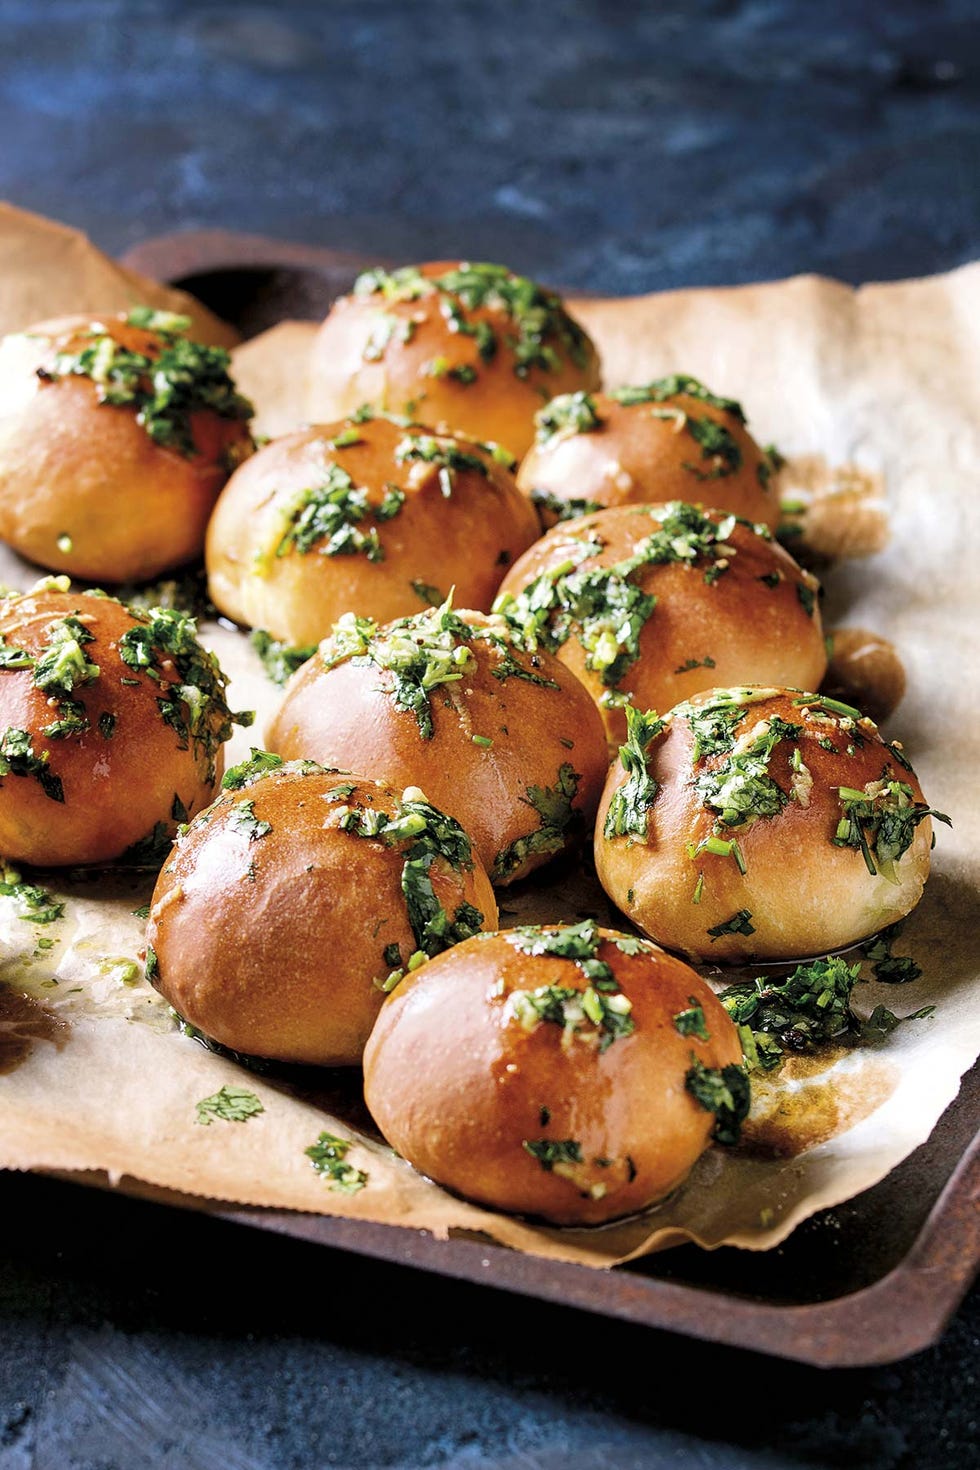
[(655, 603), (762, 823), (469, 346), (508, 742), (115, 438), (295, 899), (571, 1073), (367, 515), (667, 440), (111, 726)]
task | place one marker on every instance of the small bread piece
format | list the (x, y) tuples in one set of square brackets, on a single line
[(667, 440), (506, 741), (295, 899), (111, 726), (571, 1073), (367, 515), (471, 347), (115, 439), (762, 824), (655, 603)]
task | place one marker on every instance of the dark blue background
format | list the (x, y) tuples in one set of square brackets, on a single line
[(614, 147)]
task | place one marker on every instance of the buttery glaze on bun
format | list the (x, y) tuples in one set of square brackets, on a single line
[(506, 741), (571, 1073), (115, 438), (367, 515), (655, 603), (469, 346), (296, 898), (111, 726), (667, 440), (762, 824)]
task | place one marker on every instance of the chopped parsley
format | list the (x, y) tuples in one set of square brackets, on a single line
[(691, 1022), (61, 667), (163, 646), (723, 1091), (801, 1012), (630, 804), (568, 414), (538, 331), (807, 597), (550, 1152), (888, 968), (280, 660), (561, 508), (259, 763), (328, 517), (39, 907), (19, 758), (691, 664), (244, 820), (880, 821), (559, 821), (740, 788), (740, 923), (677, 384), (166, 384), (329, 1159), (427, 593), (596, 1014), (230, 1104), (444, 455)]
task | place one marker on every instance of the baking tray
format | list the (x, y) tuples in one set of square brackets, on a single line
[(872, 1281)]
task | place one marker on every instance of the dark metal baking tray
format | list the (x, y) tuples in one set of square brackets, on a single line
[(871, 1281)]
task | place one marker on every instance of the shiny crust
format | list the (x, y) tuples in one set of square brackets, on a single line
[(805, 895), (272, 946), (70, 466), (636, 458), (343, 716), (466, 540), (754, 633), (115, 790), (457, 1088), (498, 406)]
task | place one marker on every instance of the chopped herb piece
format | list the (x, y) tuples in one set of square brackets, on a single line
[(890, 969), (630, 804), (695, 663), (107, 725), (259, 763), (594, 1015), (551, 1152), (740, 788), (807, 597), (568, 414), (178, 811), (152, 966), (280, 660), (428, 594), (244, 820), (805, 1010), (691, 1022), (483, 740), (723, 1091), (880, 821), (882, 1022), (329, 1159), (564, 509), (739, 923), (559, 818), (328, 516), (230, 1104), (143, 912), (166, 384), (677, 384), (150, 851), (14, 658), (771, 579), (39, 906), (544, 1117), (18, 758)]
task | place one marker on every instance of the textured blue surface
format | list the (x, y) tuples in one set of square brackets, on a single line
[(617, 147)]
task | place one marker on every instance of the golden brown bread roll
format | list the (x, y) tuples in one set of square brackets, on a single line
[(508, 742), (469, 346), (115, 438), (295, 899), (367, 515), (762, 823), (111, 726), (654, 603), (667, 440), (572, 1073)]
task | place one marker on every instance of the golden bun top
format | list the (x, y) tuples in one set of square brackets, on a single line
[(505, 740), (671, 439), (465, 345), (373, 515), (115, 437), (296, 897), (111, 726), (763, 823), (657, 602), (565, 1072)]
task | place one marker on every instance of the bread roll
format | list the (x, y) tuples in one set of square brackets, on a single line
[(471, 347), (115, 438), (762, 824), (111, 726), (655, 603), (367, 515), (295, 899), (507, 742), (667, 440), (571, 1073)]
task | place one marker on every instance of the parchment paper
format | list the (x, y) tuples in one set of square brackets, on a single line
[(880, 379)]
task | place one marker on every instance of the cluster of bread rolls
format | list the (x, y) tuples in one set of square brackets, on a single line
[(474, 639)]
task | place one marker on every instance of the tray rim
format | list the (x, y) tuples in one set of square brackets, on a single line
[(907, 1308)]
